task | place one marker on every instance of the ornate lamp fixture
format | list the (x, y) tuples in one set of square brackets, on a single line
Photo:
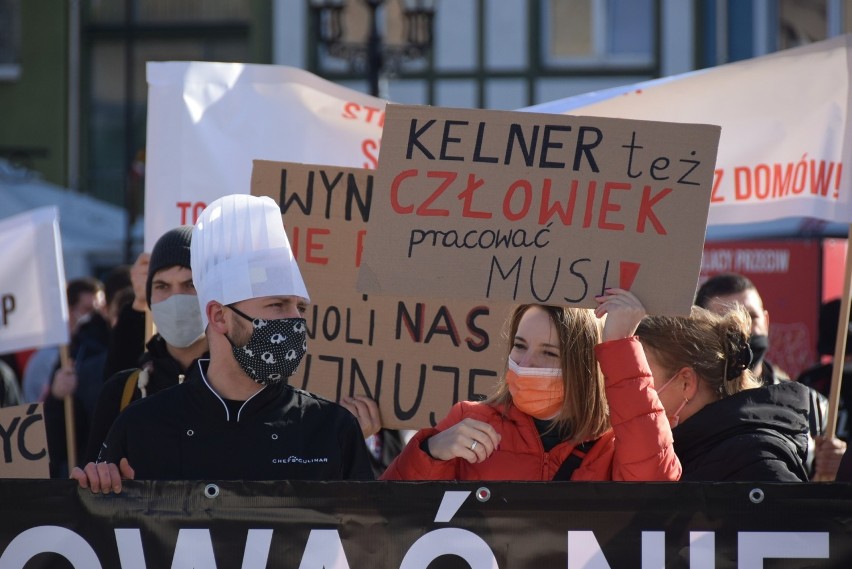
[(374, 55)]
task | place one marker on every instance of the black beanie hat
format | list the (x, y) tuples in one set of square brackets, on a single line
[(171, 249)]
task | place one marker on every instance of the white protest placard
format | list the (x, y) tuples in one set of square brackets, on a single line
[(416, 356), (208, 121), (33, 306), (785, 129), (509, 206), (24, 442)]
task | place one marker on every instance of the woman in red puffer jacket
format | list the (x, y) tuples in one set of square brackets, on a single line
[(576, 403)]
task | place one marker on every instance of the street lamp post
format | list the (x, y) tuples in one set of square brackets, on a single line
[(375, 55), (374, 49)]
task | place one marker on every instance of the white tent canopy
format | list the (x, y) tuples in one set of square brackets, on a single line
[(93, 231)]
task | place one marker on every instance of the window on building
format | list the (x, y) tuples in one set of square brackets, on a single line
[(10, 39), (806, 21), (119, 38), (801, 22), (599, 33), (507, 54)]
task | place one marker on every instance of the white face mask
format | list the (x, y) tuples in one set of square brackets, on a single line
[(178, 319)]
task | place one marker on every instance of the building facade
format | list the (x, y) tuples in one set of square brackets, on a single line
[(72, 73)]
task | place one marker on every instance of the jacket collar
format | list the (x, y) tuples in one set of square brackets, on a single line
[(214, 402)]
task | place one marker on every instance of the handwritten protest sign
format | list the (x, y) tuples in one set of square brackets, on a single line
[(24, 441), (496, 205), (416, 356)]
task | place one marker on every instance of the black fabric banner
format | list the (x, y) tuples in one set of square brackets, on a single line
[(367, 525)]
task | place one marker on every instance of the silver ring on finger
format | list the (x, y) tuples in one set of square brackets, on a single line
[(473, 446)]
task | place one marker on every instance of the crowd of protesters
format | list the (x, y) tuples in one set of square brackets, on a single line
[(603, 394)]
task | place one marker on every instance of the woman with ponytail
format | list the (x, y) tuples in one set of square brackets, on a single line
[(726, 426), (575, 403)]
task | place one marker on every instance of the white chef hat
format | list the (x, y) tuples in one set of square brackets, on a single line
[(240, 251)]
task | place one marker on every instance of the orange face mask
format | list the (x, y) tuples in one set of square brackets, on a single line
[(538, 392)]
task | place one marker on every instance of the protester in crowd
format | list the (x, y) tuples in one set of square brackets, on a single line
[(127, 341), (555, 415), (85, 298), (82, 379), (237, 419), (720, 294), (172, 353), (726, 426), (83, 295), (10, 392), (90, 344), (819, 376)]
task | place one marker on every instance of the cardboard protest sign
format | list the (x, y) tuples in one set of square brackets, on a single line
[(415, 355), (24, 441), (785, 128), (208, 121), (496, 205), (33, 306)]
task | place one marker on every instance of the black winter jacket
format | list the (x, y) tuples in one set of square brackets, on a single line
[(281, 433), (163, 371), (757, 435)]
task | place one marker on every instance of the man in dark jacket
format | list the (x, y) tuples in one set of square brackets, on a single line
[(238, 419), (722, 292), (172, 352)]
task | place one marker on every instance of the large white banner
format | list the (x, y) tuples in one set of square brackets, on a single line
[(208, 121), (784, 118), (785, 130), (33, 307)]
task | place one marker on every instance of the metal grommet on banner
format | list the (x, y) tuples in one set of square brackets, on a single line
[(211, 490), (756, 495), (483, 494)]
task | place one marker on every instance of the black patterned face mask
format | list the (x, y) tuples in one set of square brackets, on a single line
[(274, 350)]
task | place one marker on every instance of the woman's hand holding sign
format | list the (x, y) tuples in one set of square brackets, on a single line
[(623, 313)]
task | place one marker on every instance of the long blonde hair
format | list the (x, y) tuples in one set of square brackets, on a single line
[(715, 346), (584, 414)]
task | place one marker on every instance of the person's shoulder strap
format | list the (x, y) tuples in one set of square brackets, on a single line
[(129, 388), (570, 464)]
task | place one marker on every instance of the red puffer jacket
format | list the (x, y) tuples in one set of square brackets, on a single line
[(638, 447)]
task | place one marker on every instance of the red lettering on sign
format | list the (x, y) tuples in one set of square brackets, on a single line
[(370, 149), (607, 207), (473, 184), (424, 210), (526, 187), (627, 274), (312, 244), (717, 181), (359, 246), (394, 194), (646, 210)]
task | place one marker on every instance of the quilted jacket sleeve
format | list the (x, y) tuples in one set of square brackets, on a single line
[(644, 449), (415, 464)]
